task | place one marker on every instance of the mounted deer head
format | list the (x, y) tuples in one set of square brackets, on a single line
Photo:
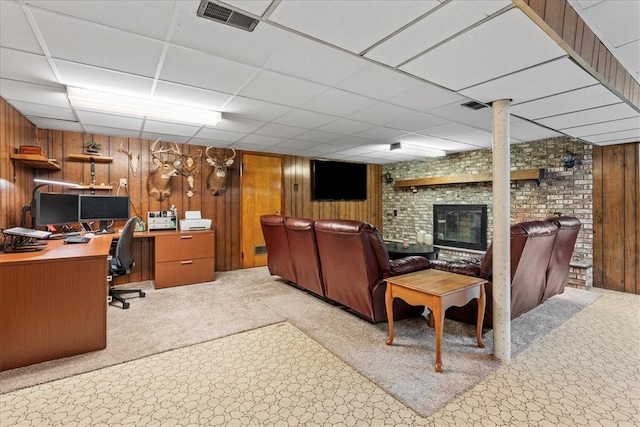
[(159, 181), (217, 179), (134, 160)]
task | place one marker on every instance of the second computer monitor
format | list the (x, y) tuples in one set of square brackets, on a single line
[(56, 209), (103, 209)]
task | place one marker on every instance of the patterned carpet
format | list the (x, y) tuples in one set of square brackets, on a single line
[(586, 371)]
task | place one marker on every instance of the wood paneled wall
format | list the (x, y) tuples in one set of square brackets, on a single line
[(616, 217), (224, 210), (298, 201), (15, 182), (563, 24)]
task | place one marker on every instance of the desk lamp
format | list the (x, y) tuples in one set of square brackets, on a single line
[(31, 208)]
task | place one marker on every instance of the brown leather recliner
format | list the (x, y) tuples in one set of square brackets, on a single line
[(531, 247), (304, 254), (279, 259), (558, 270), (355, 262)]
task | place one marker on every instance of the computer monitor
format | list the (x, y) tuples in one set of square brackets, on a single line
[(56, 208), (103, 209)]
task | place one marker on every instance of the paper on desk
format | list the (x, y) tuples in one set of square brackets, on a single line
[(192, 215)]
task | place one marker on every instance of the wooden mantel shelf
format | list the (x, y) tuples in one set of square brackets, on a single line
[(517, 175)]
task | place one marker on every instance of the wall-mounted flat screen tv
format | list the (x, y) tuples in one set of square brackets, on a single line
[(333, 180)]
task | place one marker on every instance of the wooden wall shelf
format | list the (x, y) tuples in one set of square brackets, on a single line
[(93, 187), (36, 162), (517, 175), (89, 158)]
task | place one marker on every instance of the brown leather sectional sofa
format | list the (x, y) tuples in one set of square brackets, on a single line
[(343, 261), (540, 256)]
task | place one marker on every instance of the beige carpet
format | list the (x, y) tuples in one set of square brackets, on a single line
[(244, 300)]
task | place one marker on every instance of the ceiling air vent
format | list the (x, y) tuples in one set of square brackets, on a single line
[(474, 105), (218, 13)]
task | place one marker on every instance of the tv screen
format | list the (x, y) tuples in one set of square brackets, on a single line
[(56, 209), (332, 180), (101, 208)]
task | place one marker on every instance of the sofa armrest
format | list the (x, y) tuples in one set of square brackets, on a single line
[(408, 264), (440, 264), (468, 267)]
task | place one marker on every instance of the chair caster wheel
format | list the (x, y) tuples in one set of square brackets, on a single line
[(142, 294), (125, 305)]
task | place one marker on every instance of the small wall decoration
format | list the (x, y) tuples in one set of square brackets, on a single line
[(134, 159), (190, 170)]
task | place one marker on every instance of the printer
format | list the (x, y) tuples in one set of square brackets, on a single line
[(194, 221)]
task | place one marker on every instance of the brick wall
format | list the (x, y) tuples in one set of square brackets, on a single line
[(568, 192)]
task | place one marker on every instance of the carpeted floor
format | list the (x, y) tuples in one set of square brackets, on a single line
[(249, 299)]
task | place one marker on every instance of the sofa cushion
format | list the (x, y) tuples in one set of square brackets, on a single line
[(304, 254), (279, 259), (409, 264)]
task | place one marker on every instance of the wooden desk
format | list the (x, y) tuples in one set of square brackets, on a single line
[(438, 290), (53, 303)]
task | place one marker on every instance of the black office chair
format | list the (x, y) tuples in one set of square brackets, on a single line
[(122, 262)]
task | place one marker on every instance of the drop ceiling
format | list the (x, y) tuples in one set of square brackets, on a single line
[(329, 79)]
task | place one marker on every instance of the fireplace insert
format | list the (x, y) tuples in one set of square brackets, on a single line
[(460, 226)]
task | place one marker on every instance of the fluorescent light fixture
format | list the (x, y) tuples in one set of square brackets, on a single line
[(50, 182), (141, 107), (417, 149)]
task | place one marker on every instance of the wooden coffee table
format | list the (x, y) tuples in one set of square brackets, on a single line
[(437, 290)]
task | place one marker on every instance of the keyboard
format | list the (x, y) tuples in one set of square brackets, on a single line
[(77, 239)]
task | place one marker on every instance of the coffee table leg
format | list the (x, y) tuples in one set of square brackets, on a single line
[(479, 322), (388, 301), (438, 317)]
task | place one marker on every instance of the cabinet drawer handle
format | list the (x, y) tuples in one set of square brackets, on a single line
[(186, 237), (186, 262)]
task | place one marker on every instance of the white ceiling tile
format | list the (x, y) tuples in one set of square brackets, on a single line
[(12, 90), (589, 116), (378, 82), (217, 135), (615, 18), (170, 128), (281, 131), (254, 109), (98, 45), (442, 23), (478, 138), (486, 52), (605, 127), (382, 114), (189, 95), (346, 127), (631, 54), (150, 18), (238, 124), (164, 137), (457, 112), (27, 67), (380, 133), (188, 67), (207, 142), (302, 118), (627, 135), (48, 123), (351, 25), (426, 97), (539, 81), (109, 120), (580, 99), (526, 131), (274, 87), (261, 140), (90, 77), (101, 130), (39, 110), (417, 122), (15, 31), (337, 102), (318, 136), (296, 144), (311, 60)]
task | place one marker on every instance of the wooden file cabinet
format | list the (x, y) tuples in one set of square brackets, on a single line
[(184, 258)]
